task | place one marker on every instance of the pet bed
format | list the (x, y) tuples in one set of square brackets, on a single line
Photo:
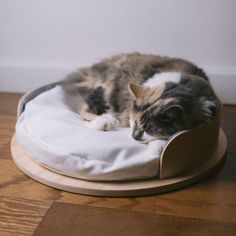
[(53, 146)]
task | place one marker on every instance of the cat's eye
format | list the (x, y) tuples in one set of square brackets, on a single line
[(160, 118), (152, 128), (168, 118), (172, 113)]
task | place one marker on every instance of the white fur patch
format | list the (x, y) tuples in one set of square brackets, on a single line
[(147, 138), (131, 121), (162, 78), (105, 122), (155, 148)]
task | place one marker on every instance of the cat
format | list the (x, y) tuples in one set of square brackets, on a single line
[(156, 96)]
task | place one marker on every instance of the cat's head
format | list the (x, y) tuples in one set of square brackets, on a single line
[(163, 110)]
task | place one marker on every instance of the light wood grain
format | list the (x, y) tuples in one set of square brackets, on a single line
[(9, 102), (20, 216), (189, 149), (186, 207), (200, 203), (114, 189), (198, 150), (70, 219)]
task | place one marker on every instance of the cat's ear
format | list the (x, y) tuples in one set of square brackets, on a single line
[(135, 89), (173, 112)]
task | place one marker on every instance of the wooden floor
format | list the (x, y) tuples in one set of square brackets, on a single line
[(206, 208)]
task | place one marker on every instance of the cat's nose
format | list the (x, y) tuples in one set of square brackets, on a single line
[(137, 135)]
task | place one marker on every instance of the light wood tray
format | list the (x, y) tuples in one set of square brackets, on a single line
[(117, 189)]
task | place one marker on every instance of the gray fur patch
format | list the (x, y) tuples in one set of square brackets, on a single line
[(103, 88)]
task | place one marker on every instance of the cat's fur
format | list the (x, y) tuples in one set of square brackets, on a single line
[(157, 96)]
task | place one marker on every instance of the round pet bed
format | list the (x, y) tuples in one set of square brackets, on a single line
[(87, 161)]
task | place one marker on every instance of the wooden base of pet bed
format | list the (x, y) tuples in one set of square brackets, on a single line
[(115, 189)]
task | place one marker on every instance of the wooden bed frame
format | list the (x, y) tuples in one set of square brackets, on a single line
[(188, 157)]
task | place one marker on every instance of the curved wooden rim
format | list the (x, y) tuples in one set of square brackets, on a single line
[(115, 189)]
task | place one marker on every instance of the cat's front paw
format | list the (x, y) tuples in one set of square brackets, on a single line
[(104, 122), (156, 147)]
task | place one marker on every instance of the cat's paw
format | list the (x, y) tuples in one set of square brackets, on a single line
[(104, 122), (156, 147)]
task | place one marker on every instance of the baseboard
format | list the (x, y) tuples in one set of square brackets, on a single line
[(15, 77), (224, 86), (223, 80), (23, 77)]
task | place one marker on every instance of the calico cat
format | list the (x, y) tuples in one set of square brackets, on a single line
[(156, 96)]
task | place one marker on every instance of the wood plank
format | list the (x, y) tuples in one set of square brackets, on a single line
[(7, 127), (71, 219), (20, 216), (218, 205), (217, 190), (16, 183), (8, 103), (143, 204), (114, 189), (7, 122)]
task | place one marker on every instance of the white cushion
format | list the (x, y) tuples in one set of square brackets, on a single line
[(54, 136)]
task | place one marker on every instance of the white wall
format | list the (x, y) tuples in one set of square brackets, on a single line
[(41, 41)]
